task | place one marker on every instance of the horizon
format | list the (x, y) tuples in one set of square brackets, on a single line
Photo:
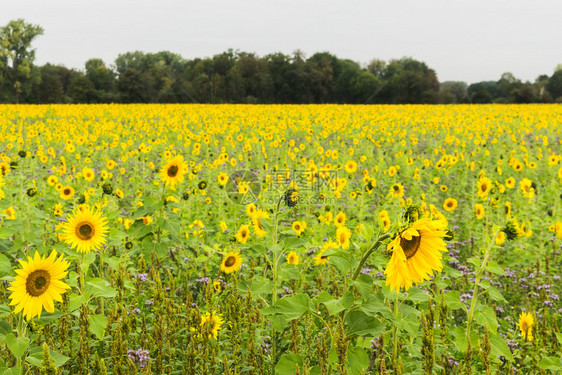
[(490, 39)]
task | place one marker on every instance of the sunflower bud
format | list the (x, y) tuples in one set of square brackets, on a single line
[(512, 230)]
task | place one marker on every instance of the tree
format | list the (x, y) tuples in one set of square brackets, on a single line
[(16, 55), (554, 85), (102, 78)]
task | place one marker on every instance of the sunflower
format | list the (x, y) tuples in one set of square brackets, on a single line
[(231, 262), (500, 238), (416, 253), (57, 211), (479, 211), (88, 174), (173, 171), (343, 235), (526, 322), (293, 258), (351, 167), (86, 230), (319, 258), (450, 204), (510, 183), (222, 178), (299, 227), (38, 283), (339, 220), (52, 180), (397, 191), (211, 323), (484, 187), (10, 213), (67, 192), (243, 234)]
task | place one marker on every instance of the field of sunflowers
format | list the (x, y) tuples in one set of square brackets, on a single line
[(278, 239)]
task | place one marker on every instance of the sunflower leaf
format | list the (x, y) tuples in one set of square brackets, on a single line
[(17, 345), (101, 288), (98, 323)]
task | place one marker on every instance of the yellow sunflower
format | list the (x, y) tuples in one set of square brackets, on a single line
[(85, 230), (67, 192), (10, 213), (173, 171), (299, 227), (321, 259), (231, 262), (484, 187), (416, 253), (526, 322), (339, 220), (450, 204), (243, 234), (343, 235), (88, 174), (293, 258), (222, 178), (479, 211), (211, 323), (37, 284)]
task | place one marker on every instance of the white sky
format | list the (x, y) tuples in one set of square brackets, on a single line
[(471, 40)]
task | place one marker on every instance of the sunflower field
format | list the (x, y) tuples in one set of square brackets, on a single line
[(280, 239)]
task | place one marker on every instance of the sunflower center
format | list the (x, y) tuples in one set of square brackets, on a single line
[(173, 171), (37, 282), (85, 231), (66, 191), (229, 262), (449, 204), (484, 187), (410, 247), (342, 238)]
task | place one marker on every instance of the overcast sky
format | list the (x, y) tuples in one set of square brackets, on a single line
[(472, 40)]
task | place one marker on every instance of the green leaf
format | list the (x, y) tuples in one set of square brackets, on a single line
[(75, 301), (98, 323), (486, 315), (101, 288), (334, 306), (6, 233), (16, 370), (5, 328), (453, 300), (495, 294), (360, 324), (364, 285), (495, 268), (417, 295), (551, 363), (5, 311), (5, 265), (287, 364), (294, 307), (559, 337), (500, 348), (375, 305), (36, 356), (357, 360), (17, 345)]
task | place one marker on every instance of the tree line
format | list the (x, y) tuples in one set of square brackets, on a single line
[(242, 77)]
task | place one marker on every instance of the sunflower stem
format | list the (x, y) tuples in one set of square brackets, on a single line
[(395, 334), (368, 253), (477, 278), (274, 292), (81, 275)]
